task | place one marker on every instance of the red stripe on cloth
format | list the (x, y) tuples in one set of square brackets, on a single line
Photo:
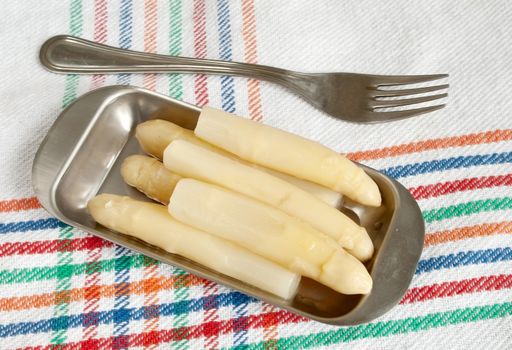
[(449, 289), (270, 333), (100, 20), (150, 26), (19, 204), (151, 287), (151, 300), (188, 332), (251, 56), (100, 35), (54, 246), (443, 188), (426, 145), (91, 294), (92, 277), (209, 327), (201, 81)]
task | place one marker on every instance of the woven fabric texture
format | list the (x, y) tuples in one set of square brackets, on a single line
[(61, 288)]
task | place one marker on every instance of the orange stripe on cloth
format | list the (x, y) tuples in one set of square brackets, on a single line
[(421, 146), (254, 100), (504, 227), (19, 204), (251, 56), (150, 26), (153, 285)]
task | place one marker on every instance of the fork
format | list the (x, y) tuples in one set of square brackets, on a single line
[(358, 98)]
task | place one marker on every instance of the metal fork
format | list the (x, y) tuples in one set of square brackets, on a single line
[(352, 97)]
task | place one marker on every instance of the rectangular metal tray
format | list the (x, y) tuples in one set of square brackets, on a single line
[(81, 156)]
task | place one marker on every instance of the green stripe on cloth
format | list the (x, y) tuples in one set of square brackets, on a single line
[(63, 285), (64, 257), (23, 275), (70, 89), (181, 293), (175, 38), (394, 327), (180, 321), (464, 209), (75, 28)]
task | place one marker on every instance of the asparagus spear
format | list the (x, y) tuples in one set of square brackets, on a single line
[(155, 135), (270, 233), (287, 153), (192, 161), (153, 224), (150, 177)]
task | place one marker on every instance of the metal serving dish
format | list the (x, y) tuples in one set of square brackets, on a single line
[(81, 156)]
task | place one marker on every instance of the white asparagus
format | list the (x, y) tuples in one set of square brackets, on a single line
[(191, 161), (150, 177), (326, 195), (270, 233), (287, 153), (155, 135), (152, 223)]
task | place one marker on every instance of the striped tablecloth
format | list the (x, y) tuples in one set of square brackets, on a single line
[(62, 288)]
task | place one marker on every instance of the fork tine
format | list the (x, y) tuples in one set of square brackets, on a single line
[(375, 116), (404, 102), (405, 92), (386, 80)]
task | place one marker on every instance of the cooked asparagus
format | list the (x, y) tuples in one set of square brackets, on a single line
[(191, 161), (270, 233), (155, 135), (149, 176), (287, 153), (153, 224)]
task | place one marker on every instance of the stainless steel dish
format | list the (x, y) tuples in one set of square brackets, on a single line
[(81, 156)]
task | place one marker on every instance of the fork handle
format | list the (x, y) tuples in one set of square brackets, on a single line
[(69, 54)]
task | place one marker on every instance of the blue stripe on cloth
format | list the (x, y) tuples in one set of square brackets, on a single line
[(472, 257), (31, 225), (228, 104), (128, 314), (125, 33), (232, 299), (447, 164), (225, 53), (122, 298)]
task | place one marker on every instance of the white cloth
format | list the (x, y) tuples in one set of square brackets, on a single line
[(470, 40)]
